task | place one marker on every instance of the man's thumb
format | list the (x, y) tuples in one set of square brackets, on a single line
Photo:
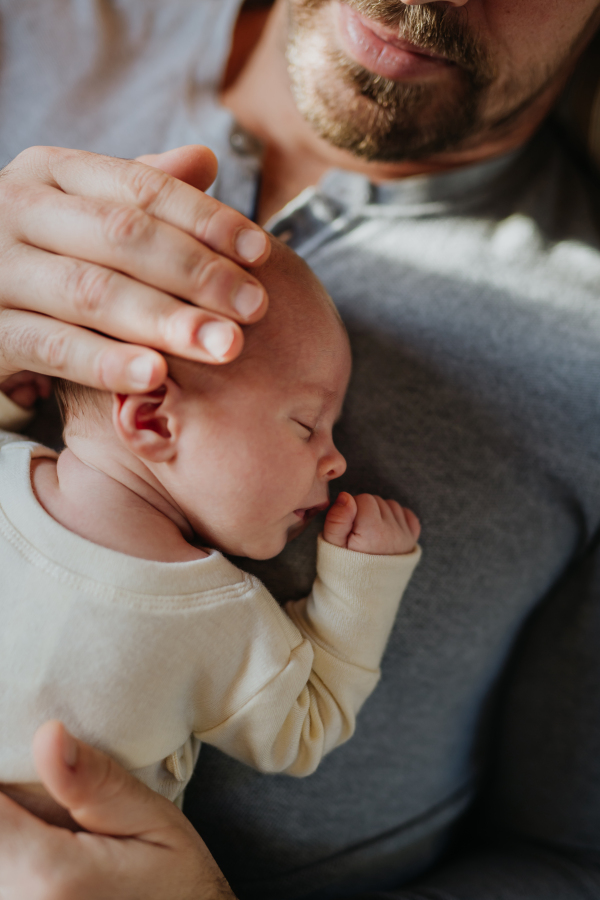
[(99, 794), (194, 164)]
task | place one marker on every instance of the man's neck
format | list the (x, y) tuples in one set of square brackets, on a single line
[(106, 495), (260, 97)]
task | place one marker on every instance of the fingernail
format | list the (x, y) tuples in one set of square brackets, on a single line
[(216, 338), (70, 750), (248, 299), (250, 244), (140, 372), (342, 499)]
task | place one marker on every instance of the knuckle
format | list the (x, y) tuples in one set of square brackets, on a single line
[(33, 161), (109, 779), (53, 350), (29, 156), (18, 342), (127, 225), (178, 328), (208, 220), (90, 289), (203, 270), (146, 185), (101, 366), (16, 196), (114, 780)]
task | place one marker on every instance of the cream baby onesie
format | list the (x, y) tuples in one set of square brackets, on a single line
[(146, 660)]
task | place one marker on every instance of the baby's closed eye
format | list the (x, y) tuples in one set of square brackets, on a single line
[(306, 429)]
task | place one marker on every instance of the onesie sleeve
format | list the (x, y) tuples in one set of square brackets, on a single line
[(335, 640)]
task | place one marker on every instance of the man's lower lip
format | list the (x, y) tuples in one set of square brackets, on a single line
[(378, 55)]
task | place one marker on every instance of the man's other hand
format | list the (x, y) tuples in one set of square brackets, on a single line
[(94, 248), (136, 843)]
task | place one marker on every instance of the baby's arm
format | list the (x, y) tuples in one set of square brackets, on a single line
[(337, 636)]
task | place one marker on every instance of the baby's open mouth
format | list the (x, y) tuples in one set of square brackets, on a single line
[(305, 515)]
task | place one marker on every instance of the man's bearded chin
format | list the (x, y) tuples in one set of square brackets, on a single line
[(376, 118)]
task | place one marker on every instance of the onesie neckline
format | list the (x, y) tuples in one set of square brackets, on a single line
[(45, 541)]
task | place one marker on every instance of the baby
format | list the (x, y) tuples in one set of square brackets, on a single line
[(118, 619)]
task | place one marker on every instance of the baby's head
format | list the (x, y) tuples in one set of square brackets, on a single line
[(244, 450)]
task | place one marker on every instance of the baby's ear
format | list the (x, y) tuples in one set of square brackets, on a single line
[(149, 424)]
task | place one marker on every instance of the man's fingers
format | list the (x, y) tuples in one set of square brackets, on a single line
[(96, 297), (128, 239), (340, 520), (115, 246), (194, 164), (119, 245), (32, 341), (132, 183), (99, 794)]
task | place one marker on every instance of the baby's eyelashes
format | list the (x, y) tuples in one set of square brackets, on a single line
[(307, 429)]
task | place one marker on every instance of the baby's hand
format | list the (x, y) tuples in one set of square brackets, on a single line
[(25, 388), (368, 524)]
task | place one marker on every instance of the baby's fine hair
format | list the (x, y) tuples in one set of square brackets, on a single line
[(78, 402)]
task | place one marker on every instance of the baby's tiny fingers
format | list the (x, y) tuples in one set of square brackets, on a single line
[(340, 520), (384, 507), (413, 523), (405, 518), (369, 509)]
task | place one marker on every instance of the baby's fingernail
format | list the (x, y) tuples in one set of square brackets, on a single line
[(248, 299), (216, 338), (140, 371), (70, 750), (250, 244), (342, 499)]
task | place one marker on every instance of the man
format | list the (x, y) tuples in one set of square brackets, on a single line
[(470, 294)]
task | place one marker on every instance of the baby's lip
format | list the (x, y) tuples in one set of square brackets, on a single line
[(305, 515)]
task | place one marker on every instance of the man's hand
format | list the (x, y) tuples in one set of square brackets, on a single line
[(93, 246), (137, 844), (368, 524)]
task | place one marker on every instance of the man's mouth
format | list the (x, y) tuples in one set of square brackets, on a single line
[(309, 512), (382, 51)]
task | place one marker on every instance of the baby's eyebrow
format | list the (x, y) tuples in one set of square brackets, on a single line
[(326, 395)]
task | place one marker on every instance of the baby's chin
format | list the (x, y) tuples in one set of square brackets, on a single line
[(253, 548), (297, 530), (271, 547), (259, 548)]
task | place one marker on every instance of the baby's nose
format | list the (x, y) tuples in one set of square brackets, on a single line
[(333, 465)]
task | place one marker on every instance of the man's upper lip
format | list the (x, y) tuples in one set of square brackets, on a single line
[(391, 37)]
